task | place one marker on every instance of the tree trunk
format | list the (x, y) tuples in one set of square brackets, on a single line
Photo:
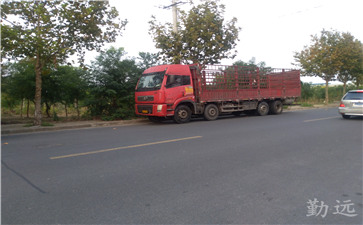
[(78, 114), (38, 92), (27, 109), (65, 108), (344, 87), (326, 92), (358, 80), (47, 109), (21, 108)]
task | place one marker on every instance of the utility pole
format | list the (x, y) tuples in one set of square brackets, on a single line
[(175, 20), (174, 5), (175, 17)]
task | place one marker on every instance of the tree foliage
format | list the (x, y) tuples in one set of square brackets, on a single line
[(351, 57), (50, 31), (19, 82), (148, 60), (252, 64), (203, 37), (66, 85), (112, 84)]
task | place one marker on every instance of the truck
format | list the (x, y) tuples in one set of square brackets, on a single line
[(181, 92)]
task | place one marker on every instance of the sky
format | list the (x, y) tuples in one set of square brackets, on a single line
[(272, 30)]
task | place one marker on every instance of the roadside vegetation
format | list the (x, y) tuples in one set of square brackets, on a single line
[(315, 94)]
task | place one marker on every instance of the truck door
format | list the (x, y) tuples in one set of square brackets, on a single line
[(177, 86)]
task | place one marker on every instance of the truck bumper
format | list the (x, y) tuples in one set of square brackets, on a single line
[(159, 110)]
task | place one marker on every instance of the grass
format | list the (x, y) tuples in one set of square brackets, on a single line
[(44, 124), (305, 104)]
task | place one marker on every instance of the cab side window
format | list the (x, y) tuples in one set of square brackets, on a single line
[(177, 80)]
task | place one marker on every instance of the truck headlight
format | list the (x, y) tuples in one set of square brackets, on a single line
[(159, 108)]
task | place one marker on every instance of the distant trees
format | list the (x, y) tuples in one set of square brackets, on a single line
[(105, 90), (203, 36), (253, 65), (19, 84), (332, 54), (66, 85), (316, 93)]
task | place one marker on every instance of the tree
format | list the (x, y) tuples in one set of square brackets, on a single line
[(112, 85), (321, 58), (203, 35), (50, 31), (351, 56)]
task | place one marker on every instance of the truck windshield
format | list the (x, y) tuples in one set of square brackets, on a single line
[(150, 81)]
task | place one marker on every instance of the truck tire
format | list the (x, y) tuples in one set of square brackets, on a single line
[(263, 109), (276, 107), (182, 114), (211, 112)]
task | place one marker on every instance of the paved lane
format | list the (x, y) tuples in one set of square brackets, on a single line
[(233, 170)]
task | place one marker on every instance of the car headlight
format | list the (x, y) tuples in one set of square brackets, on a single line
[(159, 108)]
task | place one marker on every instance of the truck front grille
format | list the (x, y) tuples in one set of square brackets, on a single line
[(147, 98)]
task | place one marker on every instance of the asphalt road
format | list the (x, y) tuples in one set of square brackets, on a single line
[(235, 170)]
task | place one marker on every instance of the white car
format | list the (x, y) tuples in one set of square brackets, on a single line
[(351, 104)]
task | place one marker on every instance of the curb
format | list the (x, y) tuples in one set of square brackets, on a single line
[(64, 126)]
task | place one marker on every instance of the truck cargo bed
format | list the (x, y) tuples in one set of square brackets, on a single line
[(213, 83)]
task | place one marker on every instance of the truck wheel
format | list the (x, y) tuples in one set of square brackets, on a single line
[(182, 114), (211, 112), (262, 109), (276, 107)]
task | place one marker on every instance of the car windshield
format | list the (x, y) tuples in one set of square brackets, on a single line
[(150, 81), (354, 96)]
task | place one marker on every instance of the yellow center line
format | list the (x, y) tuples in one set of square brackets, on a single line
[(124, 147), (326, 118)]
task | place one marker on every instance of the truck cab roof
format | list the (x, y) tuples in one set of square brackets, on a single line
[(174, 69)]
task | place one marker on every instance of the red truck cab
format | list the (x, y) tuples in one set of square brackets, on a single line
[(161, 88)]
